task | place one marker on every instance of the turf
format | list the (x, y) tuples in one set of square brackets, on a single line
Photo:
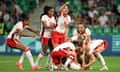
[(7, 64)]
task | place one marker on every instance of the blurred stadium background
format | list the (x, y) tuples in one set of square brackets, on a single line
[(80, 10)]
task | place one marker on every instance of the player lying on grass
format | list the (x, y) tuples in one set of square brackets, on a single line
[(13, 40), (96, 48), (65, 50)]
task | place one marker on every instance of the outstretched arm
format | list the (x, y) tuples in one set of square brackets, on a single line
[(62, 7), (34, 31), (24, 34)]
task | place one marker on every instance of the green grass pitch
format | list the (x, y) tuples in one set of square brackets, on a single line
[(7, 64)]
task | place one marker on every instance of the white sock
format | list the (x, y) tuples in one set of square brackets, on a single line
[(48, 62), (102, 61), (40, 56), (67, 62), (30, 57), (22, 57)]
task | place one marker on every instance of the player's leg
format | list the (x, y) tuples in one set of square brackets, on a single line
[(49, 60), (44, 42), (56, 59), (19, 63), (102, 61), (26, 49), (100, 57), (41, 54), (68, 61)]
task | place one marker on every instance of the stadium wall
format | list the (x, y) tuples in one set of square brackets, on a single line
[(35, 45)]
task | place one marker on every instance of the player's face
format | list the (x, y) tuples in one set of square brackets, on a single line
[(51, 12), (81, 28), (65, 10), (27, 22)]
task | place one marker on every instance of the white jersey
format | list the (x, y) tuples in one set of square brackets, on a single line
[(87, 31), (18, 26), (61, 23), (48, 20), (95, 44), (75, 34), (65, 45)]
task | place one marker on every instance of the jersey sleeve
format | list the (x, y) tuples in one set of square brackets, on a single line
[(74, 32), (88, 32), (19, 26), (43, 19), (69, 19)]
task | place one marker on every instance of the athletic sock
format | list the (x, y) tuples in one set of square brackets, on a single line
[(49, 61), (67, 62), (22, 58), (29, 56), (40, 56), (102, 61)]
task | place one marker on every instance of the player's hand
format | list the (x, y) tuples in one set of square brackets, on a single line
[(67, 3), (38, 33), (33, 35), (85, 66)]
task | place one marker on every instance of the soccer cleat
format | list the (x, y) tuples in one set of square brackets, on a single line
[(19, 65), (104, 68), (36, 67)]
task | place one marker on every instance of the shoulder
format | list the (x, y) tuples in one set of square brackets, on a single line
[(19, 24), (88, 32)]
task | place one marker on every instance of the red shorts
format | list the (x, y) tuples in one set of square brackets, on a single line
[(105, 44), (12, 42), (45, 40), (57, 56), (57, 37)]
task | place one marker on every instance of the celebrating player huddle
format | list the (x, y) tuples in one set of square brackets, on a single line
[(77, 52)]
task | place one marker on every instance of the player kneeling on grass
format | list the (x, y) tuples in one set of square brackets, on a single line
[(65, 50), (96, 48), (13, 40)]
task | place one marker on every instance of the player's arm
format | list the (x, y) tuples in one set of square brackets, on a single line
[(89, 40), (32, 30), (52, 25), (62, 7), (24, 34), (66, 31), (92, 60), (83, 53)]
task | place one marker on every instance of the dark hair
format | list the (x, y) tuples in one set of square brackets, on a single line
[(46, 9), (25, 17)]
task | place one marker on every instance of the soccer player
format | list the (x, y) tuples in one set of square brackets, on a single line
[(59, 35), (97, 47), (48, 24), (13, 40), (64, 50), (82, 31)]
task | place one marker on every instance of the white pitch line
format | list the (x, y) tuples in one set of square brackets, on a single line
[(7, 61)]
